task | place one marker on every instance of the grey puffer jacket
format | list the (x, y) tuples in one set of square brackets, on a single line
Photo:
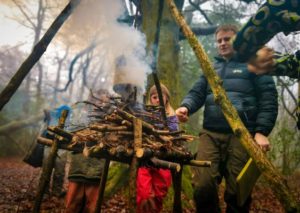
[(254, 97)]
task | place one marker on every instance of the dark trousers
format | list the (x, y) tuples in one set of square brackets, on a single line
[(228, 158)]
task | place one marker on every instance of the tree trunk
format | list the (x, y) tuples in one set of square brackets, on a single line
[(168, 61), (37, 52), (57, 81), (40, 82), (27, 91), (168, 45), (274, 178), (38, 30)]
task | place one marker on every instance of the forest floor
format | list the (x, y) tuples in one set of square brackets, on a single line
[(18, 186)]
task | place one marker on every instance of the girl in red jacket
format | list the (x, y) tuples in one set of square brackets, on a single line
[(153, 183)]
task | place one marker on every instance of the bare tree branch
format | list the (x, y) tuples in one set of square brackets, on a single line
[(37, 52), (288, 89), (200, 31), (23, 11), (283, 88), (284, 104), (85, 68), (73, 62), (201, 11)]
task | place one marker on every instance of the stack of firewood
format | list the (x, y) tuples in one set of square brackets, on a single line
[(110, 135)]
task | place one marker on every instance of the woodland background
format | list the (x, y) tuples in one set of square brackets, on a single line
[(74, 64)]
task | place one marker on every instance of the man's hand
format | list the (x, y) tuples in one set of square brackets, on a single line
[(262, 141), (182, 114), (263, 62)]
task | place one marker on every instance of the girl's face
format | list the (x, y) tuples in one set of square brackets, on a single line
[(155, 100)]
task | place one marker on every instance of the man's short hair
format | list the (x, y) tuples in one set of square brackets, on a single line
[(226, 27)]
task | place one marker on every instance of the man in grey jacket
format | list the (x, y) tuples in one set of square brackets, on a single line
[(255, 98)]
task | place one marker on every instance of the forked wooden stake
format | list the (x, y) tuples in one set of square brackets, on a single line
[(48, 166)]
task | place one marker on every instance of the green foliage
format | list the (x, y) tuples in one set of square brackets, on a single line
[(186, 182), (118, 177)]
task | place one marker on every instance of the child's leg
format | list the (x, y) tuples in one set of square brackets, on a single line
[(162, 180), (144, 189), (74, 197)]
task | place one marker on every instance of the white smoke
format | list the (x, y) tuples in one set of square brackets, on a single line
[(96, 21)]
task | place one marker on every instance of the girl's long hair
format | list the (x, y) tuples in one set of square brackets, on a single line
[(169, 109)]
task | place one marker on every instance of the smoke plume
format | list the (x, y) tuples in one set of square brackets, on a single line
[(95, 21)]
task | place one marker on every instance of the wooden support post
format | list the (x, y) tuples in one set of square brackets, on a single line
[(176, 179), (102, 186), (49, 164), (137, 128)]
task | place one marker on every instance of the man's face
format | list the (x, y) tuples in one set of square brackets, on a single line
[(224, 44)]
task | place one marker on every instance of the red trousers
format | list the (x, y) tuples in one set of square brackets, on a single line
[(81, 197), (152, 183)]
